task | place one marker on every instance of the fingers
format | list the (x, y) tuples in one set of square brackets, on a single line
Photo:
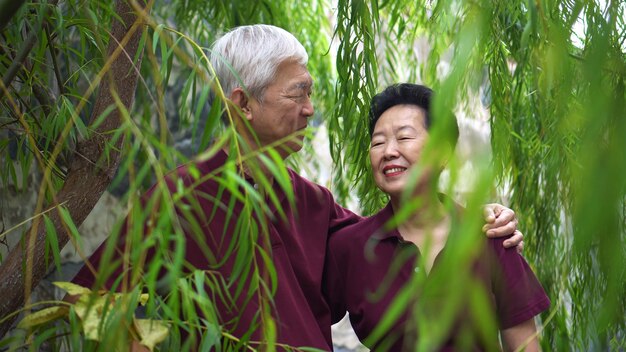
[(500, 231), (517, 240), (500, 220), (491, 212), (497, 214), (506, 215)]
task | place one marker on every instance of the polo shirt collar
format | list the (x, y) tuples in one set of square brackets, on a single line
[(216, 161), (220, 158), (381, 220), (382, 232)]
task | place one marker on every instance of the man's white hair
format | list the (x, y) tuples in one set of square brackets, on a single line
[(248, 57)]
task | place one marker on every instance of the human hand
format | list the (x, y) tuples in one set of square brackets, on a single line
[(501, 221)]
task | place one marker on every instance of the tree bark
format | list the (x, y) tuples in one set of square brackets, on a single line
[(27, 46), (90, 173)]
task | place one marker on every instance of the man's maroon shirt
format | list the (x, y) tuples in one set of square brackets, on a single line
[(362, 278), (298, 249)]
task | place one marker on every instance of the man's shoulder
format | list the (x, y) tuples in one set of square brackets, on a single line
[(306, 188), (193, 173), (362, 231), (301, 181)]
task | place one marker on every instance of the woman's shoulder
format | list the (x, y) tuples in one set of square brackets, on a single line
[(518, 293), (496, 247)]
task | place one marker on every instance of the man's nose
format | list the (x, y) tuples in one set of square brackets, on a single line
[(307, 108)]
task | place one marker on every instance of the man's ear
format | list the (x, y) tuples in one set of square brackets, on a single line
[(241, 103)]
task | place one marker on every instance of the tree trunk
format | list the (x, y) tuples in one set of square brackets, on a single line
[(89, 173)]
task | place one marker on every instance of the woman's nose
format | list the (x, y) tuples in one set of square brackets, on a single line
[(391, 150)]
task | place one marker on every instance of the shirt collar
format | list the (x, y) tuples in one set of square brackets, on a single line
[(381, 224), (220, 158), (383, 230), (215, 162), (212, 163)]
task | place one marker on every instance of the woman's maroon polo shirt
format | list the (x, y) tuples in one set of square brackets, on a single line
[(362, 276), (298, 254)]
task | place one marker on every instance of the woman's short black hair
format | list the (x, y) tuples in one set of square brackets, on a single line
[(411, 94)]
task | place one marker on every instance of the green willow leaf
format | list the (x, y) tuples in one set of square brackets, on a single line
[(53, 241), (544, 79)]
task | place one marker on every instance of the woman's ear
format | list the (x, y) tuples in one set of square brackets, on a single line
[(241, 103)]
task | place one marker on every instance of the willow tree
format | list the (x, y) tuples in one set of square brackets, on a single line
[(85, 178), (553, 73)]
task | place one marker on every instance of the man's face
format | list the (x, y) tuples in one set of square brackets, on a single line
[(283, 113)]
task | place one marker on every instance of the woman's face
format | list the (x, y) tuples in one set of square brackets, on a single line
[(397, 141)]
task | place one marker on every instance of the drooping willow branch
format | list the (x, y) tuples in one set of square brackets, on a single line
[(88, 176)]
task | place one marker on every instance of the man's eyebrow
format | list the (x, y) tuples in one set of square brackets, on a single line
[(303, 85)]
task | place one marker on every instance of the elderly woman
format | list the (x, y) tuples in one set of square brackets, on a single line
[(364, 272)]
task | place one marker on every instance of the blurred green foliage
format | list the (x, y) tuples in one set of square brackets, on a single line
[(552, 74)]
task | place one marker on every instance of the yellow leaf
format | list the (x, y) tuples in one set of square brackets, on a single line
[(43, 316), (71, 288), (89, 310), (151, 332), (143, 298)]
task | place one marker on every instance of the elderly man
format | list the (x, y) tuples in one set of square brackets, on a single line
[(262, 70)]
